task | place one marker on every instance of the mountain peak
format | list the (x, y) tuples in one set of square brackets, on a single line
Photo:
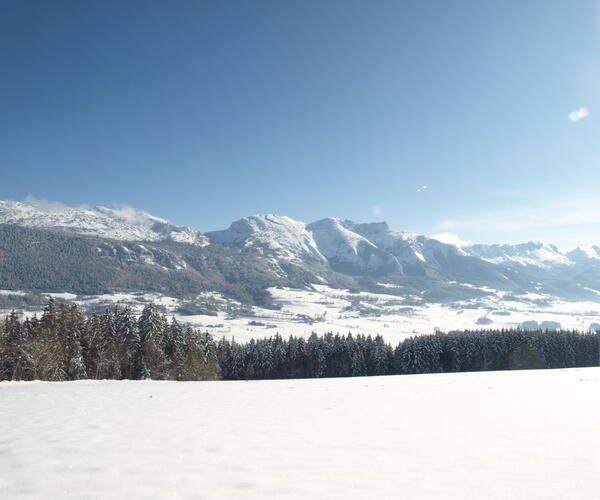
[(366, 228), (278, 233), (585, 252)]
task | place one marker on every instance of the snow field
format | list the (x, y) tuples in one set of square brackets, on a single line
[(495, 435), (390, 318)]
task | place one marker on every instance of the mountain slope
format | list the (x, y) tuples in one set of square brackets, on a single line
[(50, 261), (349, 252)]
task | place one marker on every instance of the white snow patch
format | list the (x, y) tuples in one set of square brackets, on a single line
[(13, 293)]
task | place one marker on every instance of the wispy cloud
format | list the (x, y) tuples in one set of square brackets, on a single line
[(130, 214), (451, 239), (565, 222), (376, 210)]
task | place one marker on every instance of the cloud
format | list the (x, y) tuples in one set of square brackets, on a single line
[(422, 188), (518, 218), (376, 210), (575, 116), (130, 214), (451, 239), (569, 222)]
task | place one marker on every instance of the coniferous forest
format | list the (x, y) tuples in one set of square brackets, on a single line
[(63, 344)]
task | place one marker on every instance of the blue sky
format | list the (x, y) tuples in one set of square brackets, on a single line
[(203, 112)]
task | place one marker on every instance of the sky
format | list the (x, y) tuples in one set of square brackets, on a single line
[(477, 120)]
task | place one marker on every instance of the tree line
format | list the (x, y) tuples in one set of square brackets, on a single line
[(347, 355), (63, 344)]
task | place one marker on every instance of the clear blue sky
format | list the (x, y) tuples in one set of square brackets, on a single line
[(203, 112)]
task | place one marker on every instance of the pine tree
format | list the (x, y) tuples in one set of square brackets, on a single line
[(72, 324), (174, 349), (152, 326), (12, 362), (359, 368), (317, 363)]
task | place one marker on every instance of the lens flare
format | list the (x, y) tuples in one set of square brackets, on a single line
[(575, 116)]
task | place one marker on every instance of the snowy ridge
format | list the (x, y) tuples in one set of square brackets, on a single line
[(346, 245), (408, 248), (120, 224), (585, 253), (532, 253)]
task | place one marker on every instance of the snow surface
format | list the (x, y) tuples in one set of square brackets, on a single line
[(495, 435)]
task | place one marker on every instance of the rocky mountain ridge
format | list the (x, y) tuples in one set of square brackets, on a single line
[(282, 251)]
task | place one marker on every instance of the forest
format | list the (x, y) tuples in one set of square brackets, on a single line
[(64, 344)]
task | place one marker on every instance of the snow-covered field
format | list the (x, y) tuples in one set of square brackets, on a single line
[(494, 435)]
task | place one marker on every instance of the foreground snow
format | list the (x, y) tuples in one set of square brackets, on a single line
[(528, 434)]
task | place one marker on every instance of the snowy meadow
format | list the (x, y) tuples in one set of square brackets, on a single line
[(494, 435)]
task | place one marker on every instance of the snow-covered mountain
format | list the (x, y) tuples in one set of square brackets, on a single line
[(262, 251), (120, 224), (359, 249), (347, 246), (330, 240)]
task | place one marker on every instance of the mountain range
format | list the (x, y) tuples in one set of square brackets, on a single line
[(83, 250)]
